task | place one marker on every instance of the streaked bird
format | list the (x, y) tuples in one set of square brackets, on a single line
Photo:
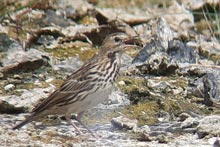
[(88, 86)]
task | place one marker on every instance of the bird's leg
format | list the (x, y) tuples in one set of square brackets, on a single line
[(78, 118), (70, 122)]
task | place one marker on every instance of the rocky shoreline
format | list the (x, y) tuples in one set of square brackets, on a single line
[(167, 94)]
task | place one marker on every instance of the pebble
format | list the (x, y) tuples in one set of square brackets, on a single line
[(124, 123), (9, 87)]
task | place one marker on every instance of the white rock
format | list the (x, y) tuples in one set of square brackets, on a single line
[(121, 82), (9, 87), (124, 123), (209, 125)]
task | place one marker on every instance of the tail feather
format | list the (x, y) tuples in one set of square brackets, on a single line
[(27, 120)]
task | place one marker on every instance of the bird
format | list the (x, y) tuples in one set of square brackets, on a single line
[(86, 87)]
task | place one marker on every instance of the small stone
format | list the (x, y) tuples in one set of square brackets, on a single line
[(41, 76), (216, 143), (162, 139), (1, 75), (124, 123), (49, 80), (190, 122), (143, 129), (121, 83), (9, 87), (19, 77), (183, 116), (145, 137)]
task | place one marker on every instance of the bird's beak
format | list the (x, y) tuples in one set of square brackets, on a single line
[(133, 42)]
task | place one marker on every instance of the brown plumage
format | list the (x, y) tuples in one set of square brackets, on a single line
[(88, 86)]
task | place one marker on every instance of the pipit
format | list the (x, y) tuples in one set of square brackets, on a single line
[(88, 86)]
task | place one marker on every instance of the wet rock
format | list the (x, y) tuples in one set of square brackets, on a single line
[(17, 61), (124, 123), (209, 125), (9, 87)]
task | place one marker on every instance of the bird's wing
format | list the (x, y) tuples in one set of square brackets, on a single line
[(68, 91), (62, 97)]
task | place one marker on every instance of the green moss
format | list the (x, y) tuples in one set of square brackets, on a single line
[(62, 53), (135, 87), (145, 112), (149, 102)]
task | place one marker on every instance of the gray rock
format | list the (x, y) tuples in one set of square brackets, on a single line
[(209, 125), (117, 98), (29, 98), (19, 60), (183, 116), (124, 123), (190, 122), (69, 65)]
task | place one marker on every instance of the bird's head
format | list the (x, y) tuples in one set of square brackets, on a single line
[(118, 43)]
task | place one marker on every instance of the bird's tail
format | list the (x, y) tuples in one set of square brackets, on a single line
[(27, 120)]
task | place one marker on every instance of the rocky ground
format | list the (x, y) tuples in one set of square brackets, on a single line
[(167, 94)]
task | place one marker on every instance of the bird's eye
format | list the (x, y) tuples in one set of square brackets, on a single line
[(117, 39)]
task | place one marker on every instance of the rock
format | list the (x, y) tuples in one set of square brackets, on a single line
[(29, 98), (189, 122), (9, 87), (53, 18), (117, 98), (7, 108), (183, 116), (5, 42), (216, 143), (68, 65), (122, 83), (144, 130), (182, 19), (107, 14), (124, 123), (75, 9), (17, 61), (164, 32), (209, 125), (209, 49), (198, 4), (159, 64), (180, 52)]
